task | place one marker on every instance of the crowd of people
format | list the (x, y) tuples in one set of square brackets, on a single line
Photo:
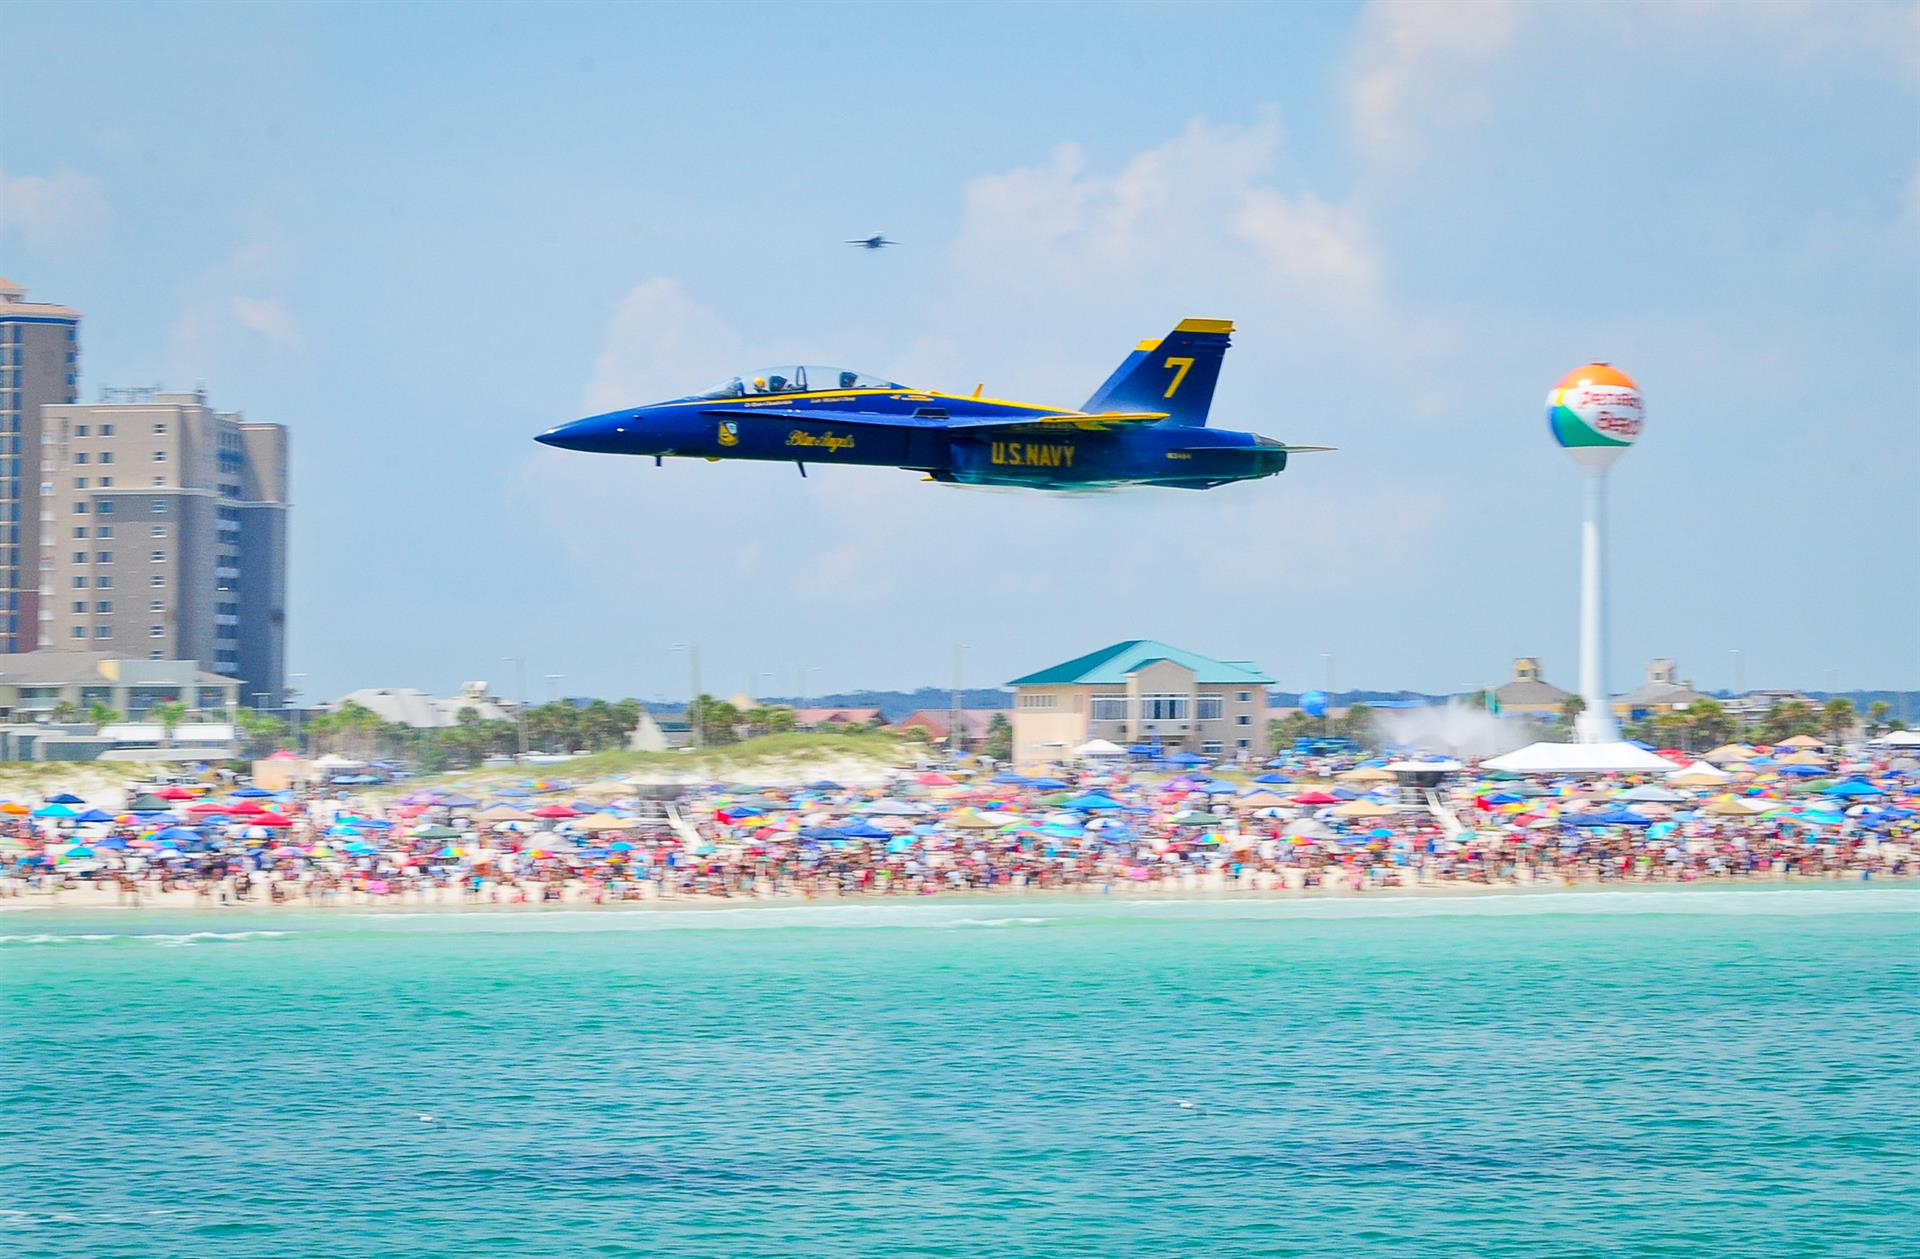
[(1296, 823)]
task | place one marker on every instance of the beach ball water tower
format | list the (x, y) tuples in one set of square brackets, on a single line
[(1595, 413)]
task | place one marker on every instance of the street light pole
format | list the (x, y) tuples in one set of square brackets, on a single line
[(293, 709), (1739, 692), (954, 739), (520, 678), (1326, 722), (693, 703)]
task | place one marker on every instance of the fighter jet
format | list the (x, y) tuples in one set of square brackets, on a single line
[(1145, 426), (873, 242)]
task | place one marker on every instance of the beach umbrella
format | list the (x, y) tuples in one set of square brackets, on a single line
[(1316, 797), (65, 797), (1273, 779), (1193, 817), (176, 835), (1653, 793), (1090, 802), (53, 811), (94, 815), (270, 819), (252, 793), (437, 831), (173, 791), (1047, 784), (79, 850), (1851, 787)]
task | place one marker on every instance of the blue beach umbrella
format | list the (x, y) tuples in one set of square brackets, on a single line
[(65, 797), (1091, 801), (53, 810), (1851, 787), (1273, 778), (252, 793), (1046, 784), (94, 815)]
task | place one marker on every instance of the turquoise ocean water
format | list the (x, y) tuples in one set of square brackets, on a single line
[(1673, 1072)]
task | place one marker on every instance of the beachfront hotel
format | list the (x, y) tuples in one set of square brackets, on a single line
[(39, 366), (1141, 692), (164, 535)]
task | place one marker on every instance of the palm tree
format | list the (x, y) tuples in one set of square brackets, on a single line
[(1879, 717), (101, 713), (169, 715), (1836, 719), (64, 711)]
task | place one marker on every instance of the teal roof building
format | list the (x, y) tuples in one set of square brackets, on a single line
[(1143, 696), (1111, 665)]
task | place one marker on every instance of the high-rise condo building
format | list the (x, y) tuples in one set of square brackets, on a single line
[(163, 533), (39, 366)]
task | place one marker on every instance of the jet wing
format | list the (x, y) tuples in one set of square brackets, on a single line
[(1073, 419)]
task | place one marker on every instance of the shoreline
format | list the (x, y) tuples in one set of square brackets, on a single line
[(578, 899)]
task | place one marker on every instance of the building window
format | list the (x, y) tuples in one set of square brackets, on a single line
[(157, 606), (1243, 696), (1164, 707), (1243, 744), (79, 430), (106, 430), (106, 456), (159, 428), (105, 605), (106, 509), (106, 482), (159, 557), (79, 531), (1109, 708), (104, 557), (1211, 707), (159, 507), (106, 531), (159, 531), (159, 456), (80, 509), (105, 583), (80, 606), (80, 457), (1244, 719), (156, 631), (157, 580), (79, 583), (1212, 747), (79, 631), (103, 631), (79, 557)]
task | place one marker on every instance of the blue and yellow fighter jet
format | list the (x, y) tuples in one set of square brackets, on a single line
[(1145, 426)]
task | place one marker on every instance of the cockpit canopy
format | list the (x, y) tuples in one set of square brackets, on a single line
[(797, 378)]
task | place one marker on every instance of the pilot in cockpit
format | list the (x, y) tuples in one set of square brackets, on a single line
[(847, 379)]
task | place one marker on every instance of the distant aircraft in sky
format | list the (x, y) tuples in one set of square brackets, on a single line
[(1145, 426), (873, 242)]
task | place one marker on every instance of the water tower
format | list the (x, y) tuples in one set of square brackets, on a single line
[(1595, 413)]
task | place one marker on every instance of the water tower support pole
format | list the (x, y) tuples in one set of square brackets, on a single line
[(1596, 723)]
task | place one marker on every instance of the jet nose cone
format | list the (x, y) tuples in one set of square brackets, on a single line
[(591, 434)]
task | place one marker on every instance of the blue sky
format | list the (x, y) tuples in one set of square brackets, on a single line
[(418, 235)]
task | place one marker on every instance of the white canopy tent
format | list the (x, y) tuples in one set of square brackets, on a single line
[(1900, 739), (1100, 750), (1617, 757)]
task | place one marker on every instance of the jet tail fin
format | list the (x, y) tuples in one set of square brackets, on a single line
[(1175, 374)]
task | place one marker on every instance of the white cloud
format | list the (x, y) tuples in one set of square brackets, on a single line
[(1311, 245), (1416, 67), (1197, 219), (267, 316), (659, 342), (59, 214)]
